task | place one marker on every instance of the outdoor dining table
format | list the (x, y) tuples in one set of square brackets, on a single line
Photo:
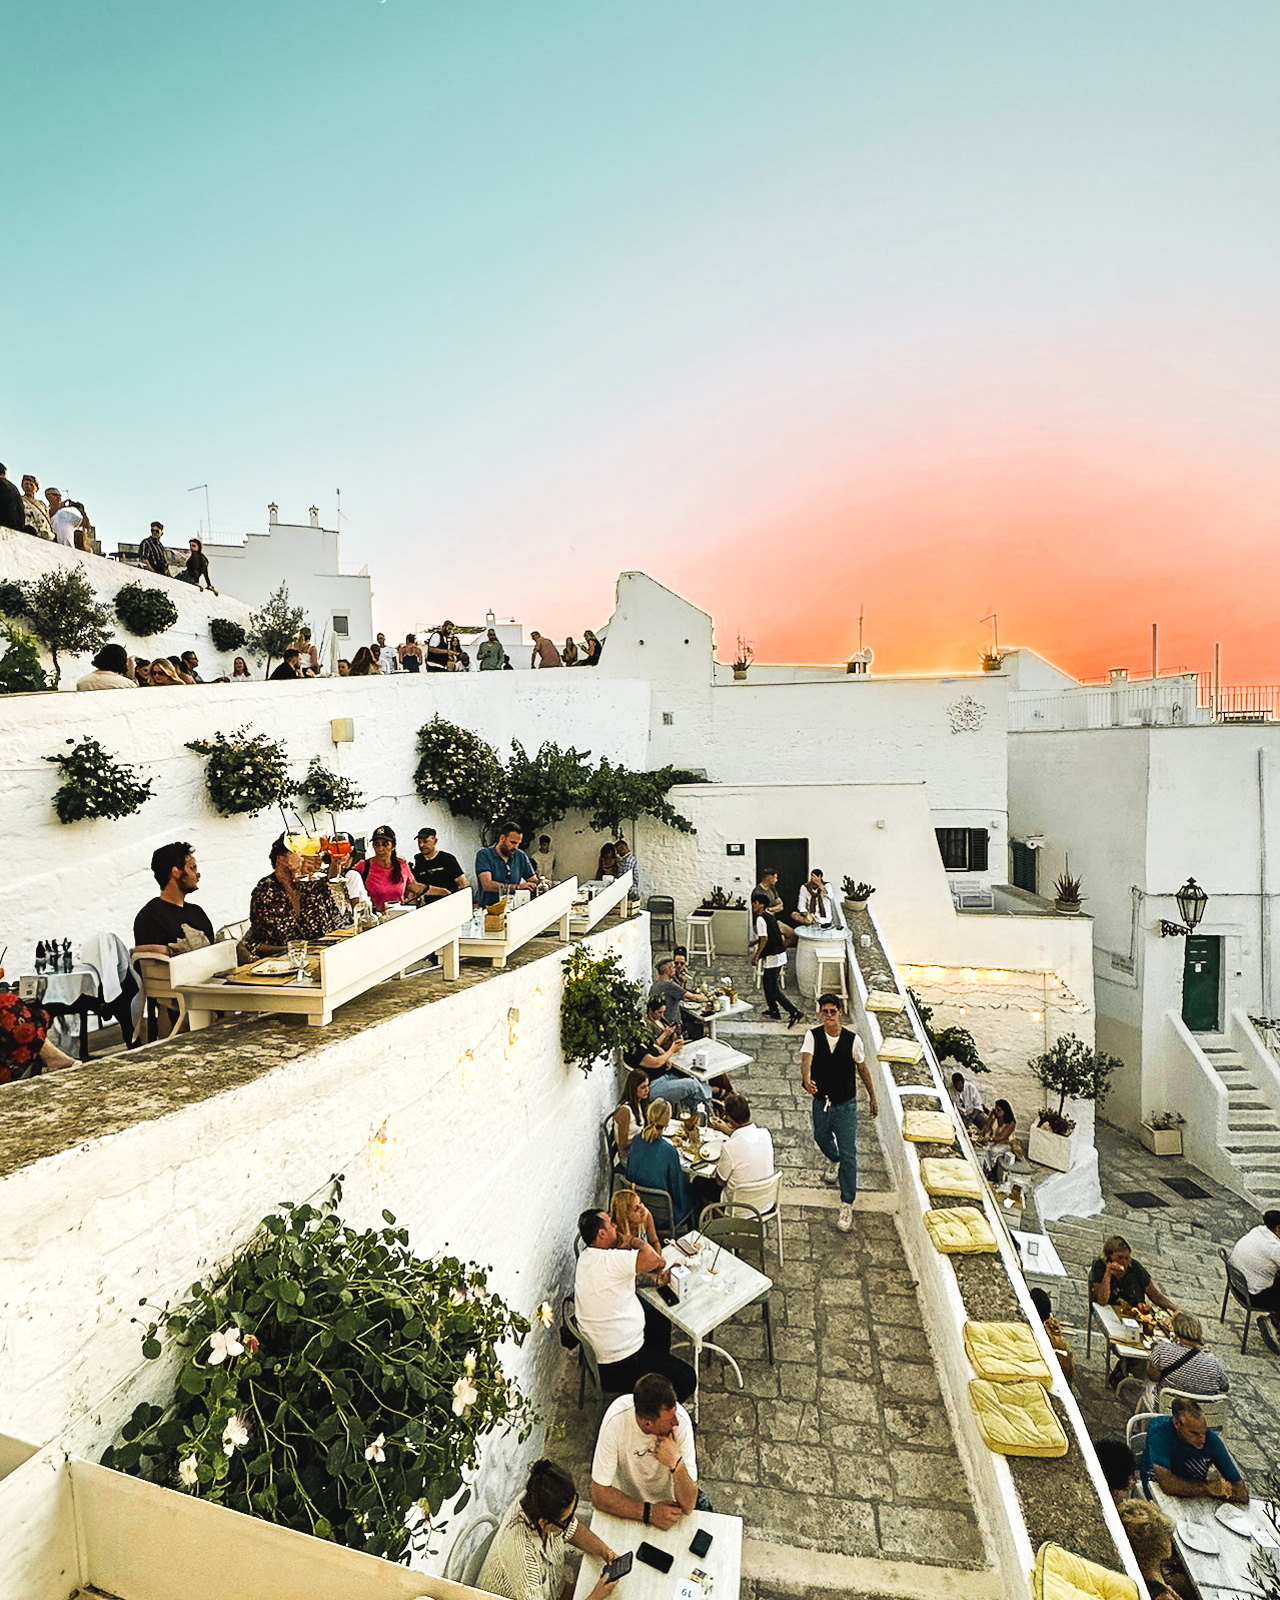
[(711, 1020), (75, 994), (722, 1563), (1122, 1334), (1215, 1554), (708, 1058), (708, 1139), (718, 1285)]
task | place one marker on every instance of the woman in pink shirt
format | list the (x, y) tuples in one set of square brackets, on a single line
[(386, 875)]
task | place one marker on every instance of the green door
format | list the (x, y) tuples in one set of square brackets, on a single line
[(1200, 971)]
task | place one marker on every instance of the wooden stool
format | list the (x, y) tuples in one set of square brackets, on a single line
[(835, 983), (705, 945)]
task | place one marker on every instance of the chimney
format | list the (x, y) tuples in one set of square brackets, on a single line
[(314, 514), (1119, 674), (273, 513)]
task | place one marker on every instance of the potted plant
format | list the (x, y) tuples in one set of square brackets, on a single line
[(856, 893), (992, 660), (1066, 889), (1162, 1133), (1072, 1070), (742, 660), (727, 913)]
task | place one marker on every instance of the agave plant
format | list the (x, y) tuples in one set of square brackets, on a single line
[(1066, 886)]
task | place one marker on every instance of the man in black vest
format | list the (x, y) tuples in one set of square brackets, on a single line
[(770, 955), (831, 1062)]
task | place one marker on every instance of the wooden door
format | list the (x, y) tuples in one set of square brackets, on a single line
[(1201, 973)]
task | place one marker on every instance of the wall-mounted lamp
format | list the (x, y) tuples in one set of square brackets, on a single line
[(1191, 900)]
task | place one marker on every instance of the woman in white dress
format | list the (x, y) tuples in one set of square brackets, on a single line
[(526, 1559)]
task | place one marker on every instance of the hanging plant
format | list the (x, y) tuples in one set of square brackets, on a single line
[(331, 1381), (94, 784), (226, 635), (458, 767), (245, 773), (20, 668), (13, 598), (599, 1008), (145, 611), (324, 790)]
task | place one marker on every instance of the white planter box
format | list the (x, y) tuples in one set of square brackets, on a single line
[(1161, 1141), (1049, 1149)]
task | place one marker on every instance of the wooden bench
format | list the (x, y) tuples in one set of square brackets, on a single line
[(524, 924)]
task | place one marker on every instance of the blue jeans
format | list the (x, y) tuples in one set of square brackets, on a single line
[(677, 1090), (835, 1132)]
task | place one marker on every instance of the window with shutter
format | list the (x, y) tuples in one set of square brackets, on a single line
[(1024, 867), (977, 849), (963, 849)]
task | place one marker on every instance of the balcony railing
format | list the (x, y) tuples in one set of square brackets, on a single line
[(1172, 702)]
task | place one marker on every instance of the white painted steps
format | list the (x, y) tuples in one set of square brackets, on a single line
[(1253, 1140)]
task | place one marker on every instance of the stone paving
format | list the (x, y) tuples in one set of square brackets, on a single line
[(844, 1445), (1178, 1244)]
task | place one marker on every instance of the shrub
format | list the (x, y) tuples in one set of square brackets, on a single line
[(331, 1381), (245, 773), (274, 628), (94, 784), (541, 790), (226, 635), (323, 790), (1070, 1069), (599, 1008), (64, 615), (616, 795), (145, 611), (13, 598), (20, 668)]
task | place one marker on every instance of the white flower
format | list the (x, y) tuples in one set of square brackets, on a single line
[(465, 1394), (187, 1472), (456, 1297), (375, 1452), (545, 1315), (224, 1345), (469, 1364), (235, 1435)]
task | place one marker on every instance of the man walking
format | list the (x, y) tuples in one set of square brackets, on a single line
[(151, 552), (770, 955), (831, 1062)]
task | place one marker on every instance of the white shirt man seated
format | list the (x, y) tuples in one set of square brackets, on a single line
[(1257, 1255), (967, 1099), (747, 1156), (629, 1337), (644, 1468)]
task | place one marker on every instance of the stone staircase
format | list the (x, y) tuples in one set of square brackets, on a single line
[(1253, 1138)]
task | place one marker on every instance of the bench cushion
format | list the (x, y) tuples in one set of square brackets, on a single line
[(928, 1127), (1016, 1419), (1005, 1352), (960, 1231), (1060, 1575), (951, 1176), (906, 1051)]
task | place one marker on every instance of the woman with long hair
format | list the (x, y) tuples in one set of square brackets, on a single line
[(240, 671), (163, 675), (569, 655), (654, 1164), (628, 1119), (591, 648), (526, 1558), (634, 1221), (997, 1133), (196, 570), (386, 875), (607, 862), (364, 664)]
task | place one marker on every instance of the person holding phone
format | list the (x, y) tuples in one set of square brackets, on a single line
[(526, 1558), (644, 1468)]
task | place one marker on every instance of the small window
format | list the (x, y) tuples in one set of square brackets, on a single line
[(963, 849), (340, 627)]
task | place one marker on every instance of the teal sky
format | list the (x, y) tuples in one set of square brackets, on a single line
[(798, 307)]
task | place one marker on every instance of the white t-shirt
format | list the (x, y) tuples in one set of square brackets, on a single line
[(625, 1458), (747, 1157), (65, 523), (388, 658), (969, 1100), (806, 1044), (545, 862), (762, 932), (608, 1308), (1258, 1256)]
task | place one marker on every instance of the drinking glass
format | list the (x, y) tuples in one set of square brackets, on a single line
[(296, 953)]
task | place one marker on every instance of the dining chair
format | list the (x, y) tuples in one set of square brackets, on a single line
[(739, 1229), (662, 919), (765, 1198), (468, 1553), (588, 1365), (1237, 1289)]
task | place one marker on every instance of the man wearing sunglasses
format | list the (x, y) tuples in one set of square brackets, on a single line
[(831, 1062)]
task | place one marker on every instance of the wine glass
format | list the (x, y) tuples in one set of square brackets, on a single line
[(296, 954)]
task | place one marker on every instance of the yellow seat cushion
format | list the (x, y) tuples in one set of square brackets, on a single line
[(882, 1000), (904, 1050), (1060, 1575), (928, 1127), (951, 1176), (1016, 1419), (1005, 1352), (960, 1231)]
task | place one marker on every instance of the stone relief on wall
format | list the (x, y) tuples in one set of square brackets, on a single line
[(967, 716)]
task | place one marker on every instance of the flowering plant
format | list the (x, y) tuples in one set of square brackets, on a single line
[(245, 772), (599, 1008), (323, 790), (94, 784), (458, 767), (331, 1381)]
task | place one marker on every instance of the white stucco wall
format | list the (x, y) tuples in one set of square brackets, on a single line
[(24, 560), (83, 877), (495, 1148)]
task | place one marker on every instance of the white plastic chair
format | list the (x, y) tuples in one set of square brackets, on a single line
[(764, 1197), (1216, 1407), (467, 1554), (1135, 1435)]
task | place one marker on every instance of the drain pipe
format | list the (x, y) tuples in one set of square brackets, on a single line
[(1263, 903)]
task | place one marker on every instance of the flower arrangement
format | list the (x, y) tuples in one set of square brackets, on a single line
[(95, 785), (330, 1381), (226, 635), (599, 1008), (458, 767), (245, 773), (145, 610), (324, 790)]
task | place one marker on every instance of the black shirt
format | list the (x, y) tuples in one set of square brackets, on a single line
[(441, 872), (13, 514), (152, 554), (284, 670), (1132, 1288), (161, 922)]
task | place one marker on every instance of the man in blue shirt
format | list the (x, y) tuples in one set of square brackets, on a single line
[(504, 866), (1188, 1460)]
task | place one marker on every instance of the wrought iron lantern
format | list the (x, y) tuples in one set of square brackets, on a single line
[(1191, 900)]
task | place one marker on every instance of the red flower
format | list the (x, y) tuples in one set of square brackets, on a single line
[(5, 1075), (8, 1001), (24, 1033), (21, 1056)]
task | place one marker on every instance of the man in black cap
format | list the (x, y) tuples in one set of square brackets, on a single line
[(439, 872), (111, 668)]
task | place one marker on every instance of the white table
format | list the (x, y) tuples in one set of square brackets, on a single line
[(709, 1298), (723, 1562), (523, 924), (737, 1008), (1121, 1339), (1039, 1258), (1225, 1572), (711, 1139), (717, 1057), (810, 944)]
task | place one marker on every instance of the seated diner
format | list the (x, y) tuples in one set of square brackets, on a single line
[(653, 1057), (628, 1119), (634, 1222), (1182, 1362), (653, 1164), (287, 905), (386, 876)]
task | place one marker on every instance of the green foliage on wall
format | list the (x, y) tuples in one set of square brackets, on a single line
[(145, 610), (94, 784), (599, 1008)]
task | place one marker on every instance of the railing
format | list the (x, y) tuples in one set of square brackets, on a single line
[(1239, 702), (1163, 703)]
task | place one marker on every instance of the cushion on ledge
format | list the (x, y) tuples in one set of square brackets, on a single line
[(1005, 1352), (960, 1231), (928, 1127), (1060, 1575), (1016, 1419), (951, 1176), (904, 1050), (883, 1000)]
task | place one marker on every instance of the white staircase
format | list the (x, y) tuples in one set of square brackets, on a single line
[(1253, 1127)]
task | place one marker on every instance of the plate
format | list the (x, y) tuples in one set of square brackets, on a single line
[(1197, 1537), (273, 969), (1238, 1521)]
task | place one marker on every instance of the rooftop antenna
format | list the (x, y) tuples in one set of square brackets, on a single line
[(861, 610), (994, 620), (208, 520)]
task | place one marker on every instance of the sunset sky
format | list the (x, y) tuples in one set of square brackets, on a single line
[(800, 308)]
